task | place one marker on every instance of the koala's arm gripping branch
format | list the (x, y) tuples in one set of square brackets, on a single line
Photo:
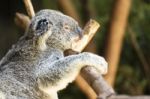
[(66, 69), (94, 79)]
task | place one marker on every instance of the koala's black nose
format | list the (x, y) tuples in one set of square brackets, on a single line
[(80, 32)]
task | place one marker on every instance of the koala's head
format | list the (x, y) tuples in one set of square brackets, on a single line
[(55, 29)]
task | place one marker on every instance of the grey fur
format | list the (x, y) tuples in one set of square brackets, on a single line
[(35, 67)]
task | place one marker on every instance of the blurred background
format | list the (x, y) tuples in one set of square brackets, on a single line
[(123, 39)]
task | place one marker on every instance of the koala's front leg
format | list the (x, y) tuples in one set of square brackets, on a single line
[(57, 75)]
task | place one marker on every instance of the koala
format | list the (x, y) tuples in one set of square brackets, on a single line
[(36, 68)]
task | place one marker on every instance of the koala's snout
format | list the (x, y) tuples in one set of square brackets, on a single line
[(80, 32)]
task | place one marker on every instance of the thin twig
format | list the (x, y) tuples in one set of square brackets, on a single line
[(29, 8), (89, 31), (22, 20)]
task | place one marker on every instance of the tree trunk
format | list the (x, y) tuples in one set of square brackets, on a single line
[(115, 37)]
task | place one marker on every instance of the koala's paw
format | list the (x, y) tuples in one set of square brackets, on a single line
[(96, 61)]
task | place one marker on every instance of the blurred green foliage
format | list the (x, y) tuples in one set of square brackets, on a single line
[(131, 77)]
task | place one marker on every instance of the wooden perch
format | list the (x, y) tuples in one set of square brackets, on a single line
[(129, 97), (97, 82), (29, 8), (89, 31)]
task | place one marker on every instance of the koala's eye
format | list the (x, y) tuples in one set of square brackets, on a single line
[(67, 27), (41, 24)]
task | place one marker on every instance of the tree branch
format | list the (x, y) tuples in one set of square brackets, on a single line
[(115, 36), (89, 31), (22, 20), (129, 97), (29, 8), (97, 82)]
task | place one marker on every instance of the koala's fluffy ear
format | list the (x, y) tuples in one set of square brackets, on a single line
[(42, 26), (42, 30), (38, 27)]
